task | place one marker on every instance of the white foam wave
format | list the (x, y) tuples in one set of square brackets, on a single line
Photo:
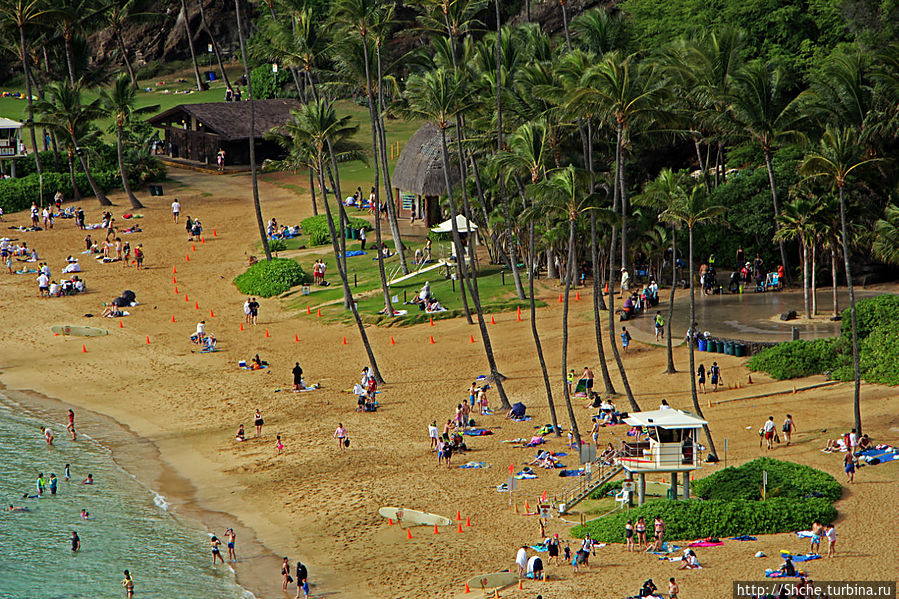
[(160, 501)]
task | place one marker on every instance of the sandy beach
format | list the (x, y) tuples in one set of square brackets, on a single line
[(319, 504)]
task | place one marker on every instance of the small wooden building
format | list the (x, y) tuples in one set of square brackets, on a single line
[(11, 145), (418, 179), (198, 131)]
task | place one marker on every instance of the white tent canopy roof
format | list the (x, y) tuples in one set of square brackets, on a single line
[(667, 419), (461, 223), (9, 124)]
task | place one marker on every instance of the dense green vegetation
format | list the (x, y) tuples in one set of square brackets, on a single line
[(315, 228), (878, 331), (730, 505), (270, 278)]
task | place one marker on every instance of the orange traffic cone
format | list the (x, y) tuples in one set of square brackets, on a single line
[(296, 338), (519, 314), (467, 520), (308, 310), (431, 321), (266, 333), (174, 281), (148, 339), (203, 239), (241, 326), (492, 320), (471, 337), (214, 234), (211, 313), (121, 325), (174, 270), (519, 586), (176, 290), (187, 257), (459, 515), (196, 305), (319, 312), (193, 247), (389, 521), (83, 348), (185, 298), (527, 506), (467, 590), (606, 289), (173, 318), (344, 340), (392, 342), (432, 339), (436, 531), (577, 296), (560, 298), (408, 533), (460, 527)]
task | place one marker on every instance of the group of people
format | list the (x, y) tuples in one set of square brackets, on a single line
[(636, 302), (768, 432), (318, 272), (714, 375), (48, 287)]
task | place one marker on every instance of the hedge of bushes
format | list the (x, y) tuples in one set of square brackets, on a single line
[(316, 230), (727, 504), (878, 346), (269, 278), (17, 194), (785, 479)]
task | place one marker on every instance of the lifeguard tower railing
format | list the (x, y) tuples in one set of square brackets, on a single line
[(597, 474)]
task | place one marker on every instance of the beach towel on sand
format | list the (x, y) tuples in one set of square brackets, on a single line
[(779, 574), (801, 558), (525, 475), (471, 465), (743, 538), (705, 544), (477, 432), (564, 473)]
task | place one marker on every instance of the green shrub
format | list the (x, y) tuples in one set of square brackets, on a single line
[(878, 355), (316, 230), (277, 245), (17, 194), (796, 359), (603, 491), (871, 313), (785, 479), (267, 84), (698, 519), (267, 279)]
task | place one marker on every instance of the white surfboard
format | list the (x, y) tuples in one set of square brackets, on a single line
[(495, 580), (413, 517), (78, 331)]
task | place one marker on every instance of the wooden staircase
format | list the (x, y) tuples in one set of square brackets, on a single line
[(600, 474)]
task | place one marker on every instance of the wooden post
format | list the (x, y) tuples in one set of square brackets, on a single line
[(641, 489)]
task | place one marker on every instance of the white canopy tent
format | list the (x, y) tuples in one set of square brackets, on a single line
[(668, 419), (467, 229)]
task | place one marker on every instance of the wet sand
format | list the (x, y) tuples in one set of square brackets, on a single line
[(319, 504)]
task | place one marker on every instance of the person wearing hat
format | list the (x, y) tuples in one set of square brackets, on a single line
[(625, 280)]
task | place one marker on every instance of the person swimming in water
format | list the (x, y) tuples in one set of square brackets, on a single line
[(89, 480), (76, 541), (85, 515), (68, 474), (17, 508)]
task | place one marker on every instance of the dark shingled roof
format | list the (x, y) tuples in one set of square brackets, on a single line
[(231, 120), (419, 169)]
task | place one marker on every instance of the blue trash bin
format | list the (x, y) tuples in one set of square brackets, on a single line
[(703, 345)]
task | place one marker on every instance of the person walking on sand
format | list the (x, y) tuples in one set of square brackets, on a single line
[(278, 445), (715, 375), (286, 578), (625, 338), (231, 536), (340, 435), (176, 210), (817, 533), (849, 466), (216, 553), (660, 326), (789, 427), (588, 380), (831, 534), (768, 431), (433, 434), (246, 311), (302, 580), (258, 421), (297, 377), (254, 311), (700, 377), (71, 425), (128, 585)]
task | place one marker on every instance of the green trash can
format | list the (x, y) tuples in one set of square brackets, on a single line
[(740, 350), (714, 346), (351, 233), (729, 348)]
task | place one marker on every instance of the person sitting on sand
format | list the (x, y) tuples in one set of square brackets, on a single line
[(112, 312), (258, 363), (864, 443), (241, 435), (787, 568), (835, 445), (690, 561)]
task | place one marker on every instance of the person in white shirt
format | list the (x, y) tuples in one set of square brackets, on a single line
[(54, 288), (853, 441), (768, 430), (201, 331), (664, 405), (434, 434), (45, 270), (521, 560), (176, 209), (43, 284)]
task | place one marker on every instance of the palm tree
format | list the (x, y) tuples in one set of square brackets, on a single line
[(72, 16), (886, 240), (119, 105), (766, 113), (185, 15), (118, 16), (439, 95), (599, 31), (18, 17), (562, 193), (326, 139), (796, 221), (214, 44), (63, 110), (660, 193), (838, 157), (528, 154), (253, 174), (691, 209)]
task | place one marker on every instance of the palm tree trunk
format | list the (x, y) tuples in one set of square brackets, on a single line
[(614, 342), (312, 191), (571, 417), (27, 69), (537, 344), (856, 397), (76, 192), (622, 193), (67, 39), (215, 46), (193, 54), (808, 313), (343, 276), (104, 201), (696, 407), (388, 188), (597, 296), (257, 207), (135, 203), (127, 61), (780, 243), (565, 24), (814, 281), (671, 369), (472, 281), (833, 275)]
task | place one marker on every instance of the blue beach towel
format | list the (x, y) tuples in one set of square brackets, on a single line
[(743, 538)]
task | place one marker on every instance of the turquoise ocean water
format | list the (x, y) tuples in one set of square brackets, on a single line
[(130, 526)]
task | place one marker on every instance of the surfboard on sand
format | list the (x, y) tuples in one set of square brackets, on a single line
[(413, 517), (496, 580), (78, 331)]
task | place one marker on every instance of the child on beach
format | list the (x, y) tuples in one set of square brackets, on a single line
[(340, 435), (139, 255), (625, 338), (831, 534), (48, 435), (67, 473), (673, 589), (128, 584), (279, 445), (849, 466)]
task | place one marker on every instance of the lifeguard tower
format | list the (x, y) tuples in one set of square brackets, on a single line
[(667, 443), (11, 146)]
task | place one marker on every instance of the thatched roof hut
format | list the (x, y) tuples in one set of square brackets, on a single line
[(418, 177)]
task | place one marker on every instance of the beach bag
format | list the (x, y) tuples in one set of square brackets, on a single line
[(346, 441)]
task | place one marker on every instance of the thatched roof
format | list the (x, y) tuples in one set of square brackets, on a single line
[(419, 169), (231, 120)]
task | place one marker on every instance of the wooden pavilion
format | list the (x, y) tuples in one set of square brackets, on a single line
[(418, 179), (197, 132)]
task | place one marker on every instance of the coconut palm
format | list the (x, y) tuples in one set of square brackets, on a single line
[(252, 141), (765, 112), (692, 208), (886, 230), (118, 104), (63, 110), (72, 17), (527, 155), (184, 16), (214, 44), (119, 15), (325, 139), (660, 193), (599, 31), (837, 158), (439, 95), (797, 222), (18, 18)]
